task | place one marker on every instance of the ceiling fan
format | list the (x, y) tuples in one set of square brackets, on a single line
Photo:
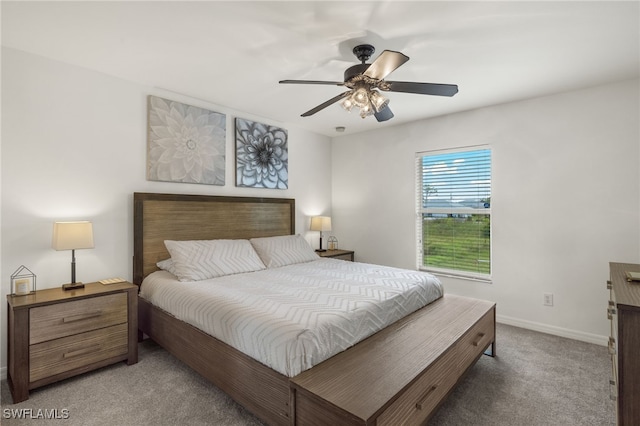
[(363, 80)]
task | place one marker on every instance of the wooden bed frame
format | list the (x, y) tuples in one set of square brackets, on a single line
[(399, 375)]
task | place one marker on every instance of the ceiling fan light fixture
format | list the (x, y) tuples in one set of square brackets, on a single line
[(363, 78), (378, 101), (347, 103), (361, 96), (366, 110)]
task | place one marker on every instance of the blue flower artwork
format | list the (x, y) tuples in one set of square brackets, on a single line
[(261, 155)]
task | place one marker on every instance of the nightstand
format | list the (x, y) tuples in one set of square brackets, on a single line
[(55, 334), (337, 254)]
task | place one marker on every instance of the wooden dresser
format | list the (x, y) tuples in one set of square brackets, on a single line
[(624, 343), (55, 334)]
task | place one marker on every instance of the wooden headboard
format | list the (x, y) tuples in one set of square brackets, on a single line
[(160, 217)]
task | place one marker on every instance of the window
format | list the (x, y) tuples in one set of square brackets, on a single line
[(454, 212)]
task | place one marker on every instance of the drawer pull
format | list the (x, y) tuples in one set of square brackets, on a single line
[(420, 404), (477, 342), (83, 351), (81, 317)]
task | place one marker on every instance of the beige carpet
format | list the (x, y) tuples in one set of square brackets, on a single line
[(536, 379)]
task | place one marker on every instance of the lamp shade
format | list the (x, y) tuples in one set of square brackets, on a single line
[(379, 102), (321, 223), (72, 235)]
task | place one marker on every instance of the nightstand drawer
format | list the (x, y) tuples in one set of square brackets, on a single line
[(337, 254), (57, 356), (344, 257), (69, 318)]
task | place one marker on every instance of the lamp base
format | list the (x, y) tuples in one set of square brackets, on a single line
[(320, 250), (72, 286)]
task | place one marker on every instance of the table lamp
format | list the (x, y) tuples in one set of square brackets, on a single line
[(72, 236), (321, 223)]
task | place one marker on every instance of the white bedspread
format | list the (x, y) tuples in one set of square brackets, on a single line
[(296, 316)]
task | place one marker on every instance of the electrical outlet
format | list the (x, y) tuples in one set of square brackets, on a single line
[(548, 299)]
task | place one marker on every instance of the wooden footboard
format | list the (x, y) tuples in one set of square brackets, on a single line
[(400, 375)]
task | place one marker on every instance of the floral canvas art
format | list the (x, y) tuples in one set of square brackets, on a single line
[(261, 155), (185, 143)]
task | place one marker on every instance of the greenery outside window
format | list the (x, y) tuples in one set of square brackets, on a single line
[(453, 193)]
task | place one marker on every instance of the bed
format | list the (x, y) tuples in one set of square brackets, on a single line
[(399, 374)]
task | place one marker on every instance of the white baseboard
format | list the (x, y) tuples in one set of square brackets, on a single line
[(556, 331)]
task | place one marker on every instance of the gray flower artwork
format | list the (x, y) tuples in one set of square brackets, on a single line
[(261, 155), (185, 143)]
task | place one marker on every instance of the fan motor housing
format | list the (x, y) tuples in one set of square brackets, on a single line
[(355, 70)]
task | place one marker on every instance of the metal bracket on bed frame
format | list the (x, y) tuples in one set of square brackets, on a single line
[(491, 350)]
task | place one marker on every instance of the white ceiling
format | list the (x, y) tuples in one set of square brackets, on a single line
[(234, 53)]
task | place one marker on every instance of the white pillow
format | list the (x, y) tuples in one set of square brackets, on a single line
[(167, 265), (203, 259), (283, 250)]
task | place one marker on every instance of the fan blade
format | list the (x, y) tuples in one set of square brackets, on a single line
[(384, 115), (326, 104), (331, 83), (422, 88), (385, 64)]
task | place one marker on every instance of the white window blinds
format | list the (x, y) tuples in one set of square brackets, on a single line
[(454, 212)]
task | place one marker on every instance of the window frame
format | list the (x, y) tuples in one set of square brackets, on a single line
[(421, 210)]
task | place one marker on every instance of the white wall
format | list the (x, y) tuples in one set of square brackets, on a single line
[(565, 202), (74, 147)]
